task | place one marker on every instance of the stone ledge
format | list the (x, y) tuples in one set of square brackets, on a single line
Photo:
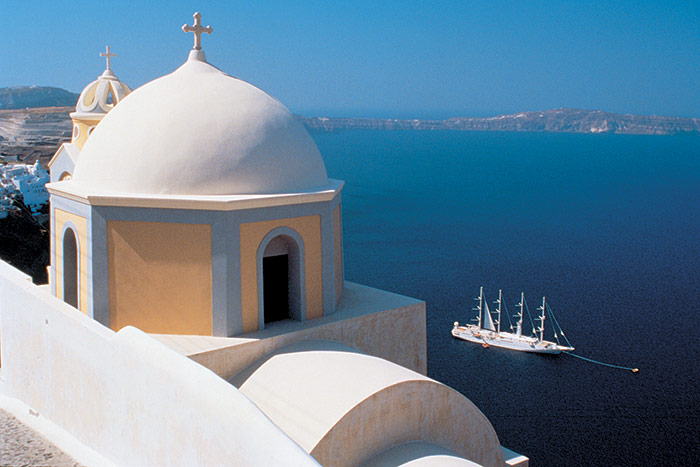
[(374, 321)]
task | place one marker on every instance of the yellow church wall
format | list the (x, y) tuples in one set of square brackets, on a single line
[(252, 234), (338, 252), (80, 223), (160, 277), (84, 131)]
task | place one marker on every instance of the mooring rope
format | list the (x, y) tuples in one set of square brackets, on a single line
[(619, 367), (556, 323)]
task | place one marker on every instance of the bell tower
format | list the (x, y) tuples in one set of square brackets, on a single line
[(96, 100)]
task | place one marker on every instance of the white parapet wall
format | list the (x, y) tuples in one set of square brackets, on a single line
[(126, 395)]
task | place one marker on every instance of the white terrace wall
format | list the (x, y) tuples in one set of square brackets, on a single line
[(124, 394)]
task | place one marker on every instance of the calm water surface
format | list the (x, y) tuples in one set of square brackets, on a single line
[(606, 226)]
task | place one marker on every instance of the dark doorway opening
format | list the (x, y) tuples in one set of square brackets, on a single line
[(276, 288), (70, 268)]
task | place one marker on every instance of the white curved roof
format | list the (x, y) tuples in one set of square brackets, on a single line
[(199, 131), (100, 96), (332, 399), (323, 378)]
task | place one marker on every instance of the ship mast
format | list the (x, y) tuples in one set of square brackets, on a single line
[(479, 307), (521, 305), (498, 321), (541, 318)]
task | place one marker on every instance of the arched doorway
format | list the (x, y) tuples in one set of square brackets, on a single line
[(281, 279), (70, 268)]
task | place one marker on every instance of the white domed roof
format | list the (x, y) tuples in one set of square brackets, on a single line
[(100, 96), (199, 131)]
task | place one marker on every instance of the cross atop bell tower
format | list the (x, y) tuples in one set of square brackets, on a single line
[(197, 29), (108, 55)]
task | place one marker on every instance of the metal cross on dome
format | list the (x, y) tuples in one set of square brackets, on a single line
[(197, 29), (108, 55)]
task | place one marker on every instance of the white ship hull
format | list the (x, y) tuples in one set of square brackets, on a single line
[(507, 340)]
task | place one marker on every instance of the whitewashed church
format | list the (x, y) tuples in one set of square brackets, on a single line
[(196, 311)]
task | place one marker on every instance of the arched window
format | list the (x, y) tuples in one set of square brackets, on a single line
[(282, 280), (70, 268)]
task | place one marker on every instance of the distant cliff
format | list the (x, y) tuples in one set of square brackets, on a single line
[(21, 97), (559, 121), (32, 134)]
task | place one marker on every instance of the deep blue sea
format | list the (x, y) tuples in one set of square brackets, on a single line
[(606, 226)]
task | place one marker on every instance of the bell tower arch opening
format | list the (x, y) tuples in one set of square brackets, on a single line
[(280, 278), (70, 268)]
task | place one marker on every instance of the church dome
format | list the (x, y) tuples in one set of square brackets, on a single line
[(199, 131), (100, 96)]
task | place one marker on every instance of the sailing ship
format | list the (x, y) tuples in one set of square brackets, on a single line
[(487, 331)]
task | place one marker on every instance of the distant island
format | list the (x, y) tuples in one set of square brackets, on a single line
[(22, 97), (35, 121), (556, 121)]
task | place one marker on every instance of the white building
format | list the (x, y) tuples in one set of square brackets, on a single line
[(6, 204), (27, 180), (197, 312)]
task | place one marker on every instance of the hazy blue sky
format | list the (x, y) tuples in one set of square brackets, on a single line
[(381, 58)]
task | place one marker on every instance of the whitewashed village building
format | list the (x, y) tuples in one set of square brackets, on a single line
[(197, 312), (26, 180), (7, 206)]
